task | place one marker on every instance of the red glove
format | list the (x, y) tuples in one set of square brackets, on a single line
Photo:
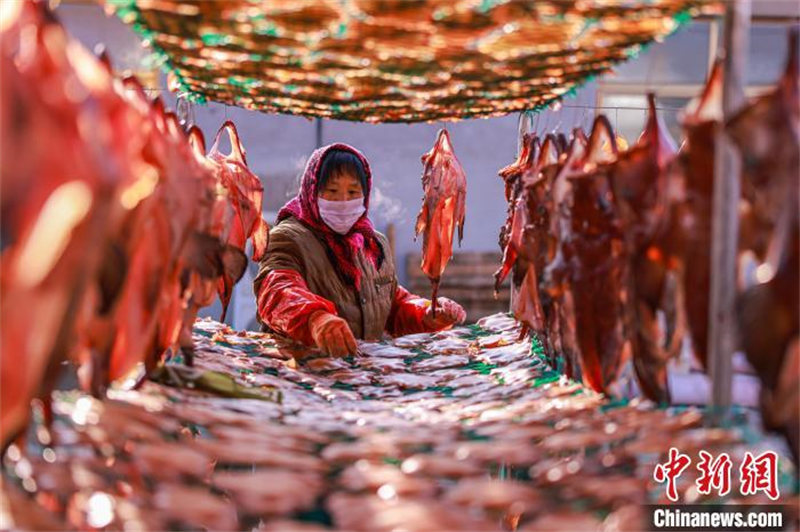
[(332, 334), (448, 313)]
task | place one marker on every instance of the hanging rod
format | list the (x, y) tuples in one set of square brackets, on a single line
[(619, 108)]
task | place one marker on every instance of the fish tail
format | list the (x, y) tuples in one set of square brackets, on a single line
[(523, 332), (499, 277), (435, 283)]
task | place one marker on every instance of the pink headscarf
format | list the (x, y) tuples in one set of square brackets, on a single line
[(341, 249)]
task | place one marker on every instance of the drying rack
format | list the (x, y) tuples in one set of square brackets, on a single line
[(722, 334)]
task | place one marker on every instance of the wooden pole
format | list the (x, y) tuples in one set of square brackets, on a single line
[(725, 217), (318, 136), (713, 43), (392, 238)]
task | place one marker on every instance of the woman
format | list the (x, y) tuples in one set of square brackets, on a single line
[(328, 278)]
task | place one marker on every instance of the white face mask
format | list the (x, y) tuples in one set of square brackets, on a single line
[(341, 215)]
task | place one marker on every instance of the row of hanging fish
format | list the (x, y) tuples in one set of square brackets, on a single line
[(579, 219), (116, 225), (601, 241)]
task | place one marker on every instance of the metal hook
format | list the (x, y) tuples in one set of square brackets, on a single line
[(558, 116), (546, 122), (523, 127), (558, 124)]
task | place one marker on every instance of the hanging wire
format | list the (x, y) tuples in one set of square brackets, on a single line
[(185, 111), (619, 107)]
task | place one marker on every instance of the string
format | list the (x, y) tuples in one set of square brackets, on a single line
[(621, 107)]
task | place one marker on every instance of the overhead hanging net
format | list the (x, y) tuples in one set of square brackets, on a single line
[(396, 60)]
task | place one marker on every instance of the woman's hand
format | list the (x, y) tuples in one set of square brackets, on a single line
[(448, 313), (332, 334)]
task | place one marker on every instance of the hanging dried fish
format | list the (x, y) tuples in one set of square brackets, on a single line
[(511, 232), (639, 180), (246, 193), (701, 124), (556, 283), (768, 314), (529, 244), (443, 208), (55, 210), (117, 280), (599, 269), (767, 134)]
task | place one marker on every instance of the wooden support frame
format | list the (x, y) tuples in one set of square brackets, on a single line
[(725, 215)]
